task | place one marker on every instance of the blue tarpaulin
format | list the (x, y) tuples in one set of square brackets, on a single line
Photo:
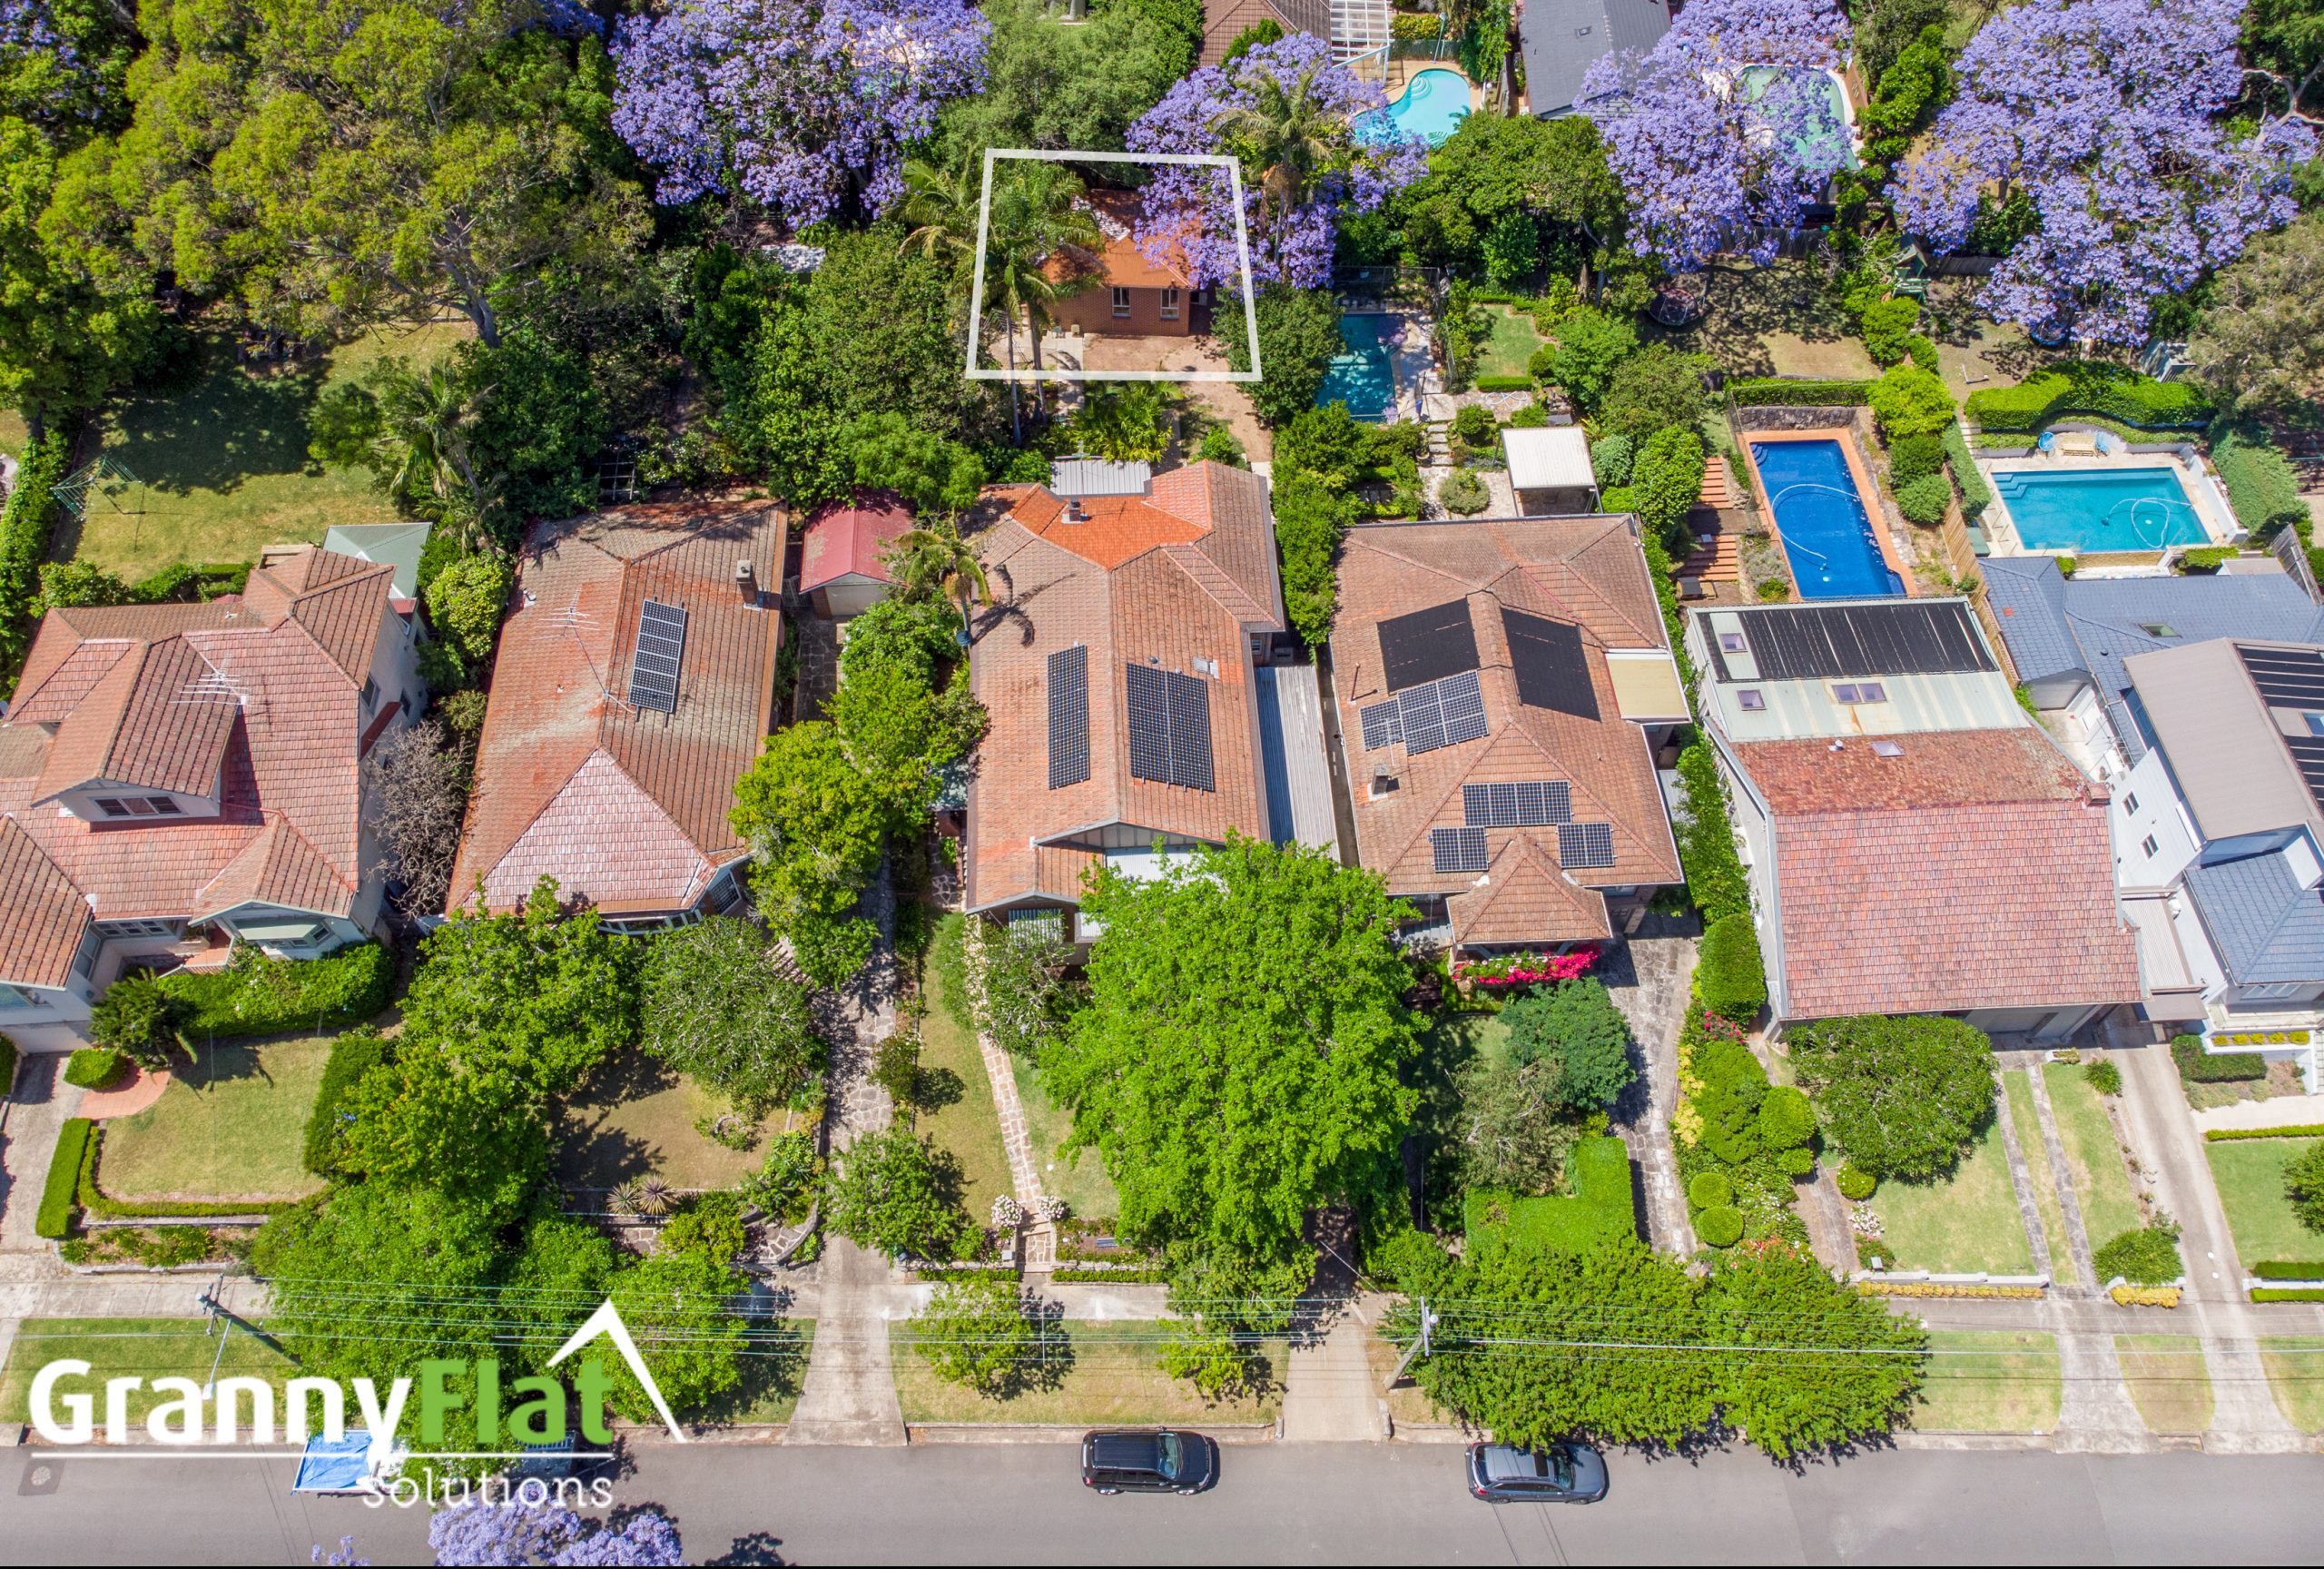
[(335, 1464)]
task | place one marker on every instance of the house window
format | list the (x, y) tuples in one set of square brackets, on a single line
[(2274, 991), (164, 806), (2158, 629), (142, 928), (113, 806), (2315, 724), (1169, 305), (2130, 805), (1730, 642), (371, 692), (2147, 846), (139, 806), (1751, 700), (1121, 303), (1860, 692), (10, 997)]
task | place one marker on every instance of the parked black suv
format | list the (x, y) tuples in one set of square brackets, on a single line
[(1157, 1460), (1568, 1473)]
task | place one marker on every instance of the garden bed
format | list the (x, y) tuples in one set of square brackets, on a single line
[(1113, 1379), (231, 1126), (1990, 1381), (2250, 1173), (1958, 1226)]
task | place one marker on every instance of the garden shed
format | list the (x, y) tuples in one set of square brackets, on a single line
[(1549, 468)]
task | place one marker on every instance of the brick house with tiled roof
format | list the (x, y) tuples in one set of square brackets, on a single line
[(1915, 843), (177, 777), (1125, 291), (1119, 678), (633, 685), (1502, 689)]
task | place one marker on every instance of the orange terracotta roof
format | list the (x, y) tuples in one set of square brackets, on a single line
[(42, 914), (1119, 263), (1525, 896)]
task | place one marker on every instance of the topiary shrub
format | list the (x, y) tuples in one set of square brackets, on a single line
[(1721, 1227), (137, 1016), (96, 1067), (1729, 975), (2104, 1078), (1464, 494), (1924, 500), (1476, 425), (1856, 1182), (1611, 457), (1785, 1117), (1910, 401), (1797, 1161), (1710, 1191), (1888, 329), (1912, 458), (2147, 1256)]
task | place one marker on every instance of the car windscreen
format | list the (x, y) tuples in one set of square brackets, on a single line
[(1168, 1456)]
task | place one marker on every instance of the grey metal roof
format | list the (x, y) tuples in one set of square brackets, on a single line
[(1561, 39), (397, 545), (1099, 477), (2265, 925), (2055, 625)]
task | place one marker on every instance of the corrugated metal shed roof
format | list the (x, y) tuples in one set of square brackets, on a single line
[(1099, 477)]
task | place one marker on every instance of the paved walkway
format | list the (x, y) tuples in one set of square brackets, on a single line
[(1649, 979), (1328, 1392), (31, 1120), (2083, 1272), (142, 1090), (2276, 1112), (1015, 1139), (2021, 1179)]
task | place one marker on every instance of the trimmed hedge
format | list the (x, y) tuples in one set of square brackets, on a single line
[(2275, 1270), (1975, 494), (2109, 391), (2281, 1294), (1711, 1189), (2307, 1131), (2146, 1257), (2215, 1068), (7, 1066), (1730, 976), (58, 1196), (2206, 557), (25, 522), (1775, 391), (256, 995), (1721, 1227), (1716, 880), (1855, 1182), (1504, 383), (2261, 488), (94, 1067), (352, 1055)]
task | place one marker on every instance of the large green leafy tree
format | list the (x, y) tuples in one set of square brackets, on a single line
[(544, 993), (897, 1194), (1574, 1032), (1905, 1096), (676, 1304), (815, 824), (1496, 168), (1237, 1062), (1052, 84), (978, 1333), (1806, 1363), (470, 1124), (1299, 332), (2261, 345), (716, 1010), (333, 163)]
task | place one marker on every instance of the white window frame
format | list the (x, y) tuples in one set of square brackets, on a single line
[(1170, 298), (2274, 991)]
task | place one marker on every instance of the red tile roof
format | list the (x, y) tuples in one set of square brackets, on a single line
[(847, 540), (1973, 871), (625, 806), (1182, 575), (1588, 572), (42, 914)]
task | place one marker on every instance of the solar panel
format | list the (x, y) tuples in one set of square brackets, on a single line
[(1463, 699), (1531, 803), (1068, 689), (654, 664), (1820, 643), (1458, 849), (1427, 644), (1553, 672), (1586, 845), (1170, 727), (1383, 724), (2309, 755), (2286, 677)]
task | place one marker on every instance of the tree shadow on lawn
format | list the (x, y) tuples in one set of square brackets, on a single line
[(232, 424), (934, 1089), (590, 1150), (1746, 303)]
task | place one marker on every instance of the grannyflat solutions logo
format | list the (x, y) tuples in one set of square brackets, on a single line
[(74, 1405)]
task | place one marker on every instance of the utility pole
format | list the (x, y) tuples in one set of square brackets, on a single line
[(1419, 1345), (211, 1304)]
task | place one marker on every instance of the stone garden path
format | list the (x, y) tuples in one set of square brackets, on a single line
[(1649, 979)]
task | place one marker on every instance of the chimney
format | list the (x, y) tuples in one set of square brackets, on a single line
[(1073, 512), (748, 583)]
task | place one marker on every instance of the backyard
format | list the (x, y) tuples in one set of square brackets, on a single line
[(2250, 1173), (1508, 351), (956, 1109), (635, 1118), (2101, 1182), (1990, 1381), (229, 1125), (1967, 1223), (1110, 1377)]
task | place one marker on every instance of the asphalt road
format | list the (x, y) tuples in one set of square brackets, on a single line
[(1275, 1503)]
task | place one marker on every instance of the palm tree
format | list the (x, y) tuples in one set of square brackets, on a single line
[(1288, 132), (939, 559), (940, 204), (424, 422)]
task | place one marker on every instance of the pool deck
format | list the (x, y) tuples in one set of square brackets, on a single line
[(2203, 492), (1868, 495)]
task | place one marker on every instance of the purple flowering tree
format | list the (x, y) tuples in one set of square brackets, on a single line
[(1313, 140), (797, 103), (504, 1534), (2106, 113), (1724, 130)]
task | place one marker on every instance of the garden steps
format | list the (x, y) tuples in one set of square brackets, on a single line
[(1440, 443), (1720, 488), (1721, 561)]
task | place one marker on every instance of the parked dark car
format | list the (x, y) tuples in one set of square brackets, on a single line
[(1569, 1473), (1150, 1460)]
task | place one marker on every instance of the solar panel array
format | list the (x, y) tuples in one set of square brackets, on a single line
[(1068, 689), (654, 666), (1427, 644), (1894, 637), (2286, 677), (1585, 844), (1551, 669), (1170, 727), (1458, 849), (1532, 803), (1441, 713)]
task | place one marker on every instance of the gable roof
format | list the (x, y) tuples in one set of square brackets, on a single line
[(1224, 20), (850, 538), (2267, 926), (1902, 883), (1173, 582), (398, 545), (2057, 626), (1561, 39), (1586, 578), (2231, 752), (544, 802)]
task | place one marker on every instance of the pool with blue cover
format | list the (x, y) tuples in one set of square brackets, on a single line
[(2092, 509), (1821, 518), (1363, 378)]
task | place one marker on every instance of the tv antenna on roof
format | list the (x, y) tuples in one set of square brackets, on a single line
[(573, 621)]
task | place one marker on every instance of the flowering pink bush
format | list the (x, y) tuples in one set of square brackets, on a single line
[(1527, 968)]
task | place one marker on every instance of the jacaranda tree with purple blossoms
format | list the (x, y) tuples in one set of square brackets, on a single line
[(1724, 130), (2107, 115), (1296, 122), (515, 1533), (804, 105)]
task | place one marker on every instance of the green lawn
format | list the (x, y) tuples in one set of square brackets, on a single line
[(952, 1074), (148, 1348), (2251, 1177), (635, 1118), (2296, 1370), (1113, 1378), (1081, 1181), (1509, 351), (2102, 1183), (222, 468), (1990, 1381), (772, 1371), (2027, 1121), (2167, 1380), (231, 1125), (1969, 1223)]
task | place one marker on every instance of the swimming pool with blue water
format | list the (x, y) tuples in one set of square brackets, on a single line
[(1363, 378), (1433, 106), (1820, 516), (2091, 509)]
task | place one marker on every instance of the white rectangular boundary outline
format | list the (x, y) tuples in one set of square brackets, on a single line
[(1242, 245)]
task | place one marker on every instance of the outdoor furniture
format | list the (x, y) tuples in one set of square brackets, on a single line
[(2076, 444)]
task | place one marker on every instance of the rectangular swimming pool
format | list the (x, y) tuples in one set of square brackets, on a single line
[(1363, 378), (1820, 516), (2089, 510)]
